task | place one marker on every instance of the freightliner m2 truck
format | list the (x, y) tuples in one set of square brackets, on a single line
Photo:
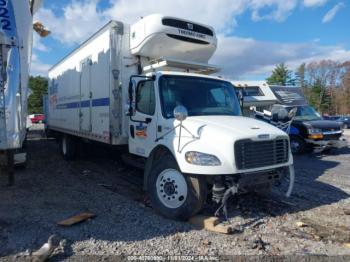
[(146, 87)]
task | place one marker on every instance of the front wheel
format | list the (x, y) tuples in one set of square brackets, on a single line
[(297, 145), (173, 194)]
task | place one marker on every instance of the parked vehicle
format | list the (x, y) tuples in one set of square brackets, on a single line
[(343, 120), (37, 118), (307, 131), (346, 121), (146, 87), (15, 52)]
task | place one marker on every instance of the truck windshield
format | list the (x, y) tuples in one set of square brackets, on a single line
[(201, 96), (307, 113)]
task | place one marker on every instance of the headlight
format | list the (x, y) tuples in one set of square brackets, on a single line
[(202, 159), (312, 131), (315, 133)]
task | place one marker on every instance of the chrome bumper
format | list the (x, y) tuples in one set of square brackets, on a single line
[(325, 144)]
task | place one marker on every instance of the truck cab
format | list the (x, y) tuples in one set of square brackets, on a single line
[(190, 130)]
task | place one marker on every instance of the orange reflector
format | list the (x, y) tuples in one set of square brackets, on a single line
[(316, 136)]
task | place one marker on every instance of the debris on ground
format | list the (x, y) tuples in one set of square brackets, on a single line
[(46, 250), (346, 211), (76, 219), (300, 224), (258, 243), (334, 233), (211, 224)]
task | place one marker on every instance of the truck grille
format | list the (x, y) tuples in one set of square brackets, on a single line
[(253, 154), (331, 134)]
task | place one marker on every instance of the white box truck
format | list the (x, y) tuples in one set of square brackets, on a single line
[(15, 58), (146, 86)]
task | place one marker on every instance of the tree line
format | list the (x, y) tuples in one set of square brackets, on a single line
[(325, 83)]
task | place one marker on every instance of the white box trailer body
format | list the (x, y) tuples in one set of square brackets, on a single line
[(131, 85), (85, 92), (16, 41), (15, 57)]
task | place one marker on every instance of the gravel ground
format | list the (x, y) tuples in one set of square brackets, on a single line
[(50, 189)]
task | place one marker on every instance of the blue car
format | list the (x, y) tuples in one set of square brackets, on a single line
[(344, 120)]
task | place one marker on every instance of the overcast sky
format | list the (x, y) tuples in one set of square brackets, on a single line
[(253, 35)]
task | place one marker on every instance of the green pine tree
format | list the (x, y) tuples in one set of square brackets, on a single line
[(38, 86), (281, 75)]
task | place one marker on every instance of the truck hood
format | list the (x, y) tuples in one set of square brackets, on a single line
[(323, 124), (217, 136), (235, 127)]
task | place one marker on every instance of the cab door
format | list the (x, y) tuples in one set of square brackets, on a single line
[(143, 119)]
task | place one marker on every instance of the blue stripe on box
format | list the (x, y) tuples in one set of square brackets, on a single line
[(100, 102), (68, 105), (86, 103)]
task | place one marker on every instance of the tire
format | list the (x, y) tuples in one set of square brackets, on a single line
[(68, 147), (172, 194), (297, 145)]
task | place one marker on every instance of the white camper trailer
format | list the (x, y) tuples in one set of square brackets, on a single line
[(146, 86), (257, 95), (15, 57)]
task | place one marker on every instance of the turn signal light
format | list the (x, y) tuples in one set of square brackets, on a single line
[(316, 136)]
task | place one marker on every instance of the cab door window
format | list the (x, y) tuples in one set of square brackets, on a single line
[(145, 98)]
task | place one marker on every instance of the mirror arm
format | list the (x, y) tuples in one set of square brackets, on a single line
[(167, 133)]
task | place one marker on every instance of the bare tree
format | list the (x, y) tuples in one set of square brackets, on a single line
[(323, 83)]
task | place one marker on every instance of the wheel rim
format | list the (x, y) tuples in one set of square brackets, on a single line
[(171, 188), (295, 146), (64, 146)]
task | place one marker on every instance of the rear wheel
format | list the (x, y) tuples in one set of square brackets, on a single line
[(297, 145), (172, 194), (68, 147)]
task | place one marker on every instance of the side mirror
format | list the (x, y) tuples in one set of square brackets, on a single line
[(292, 113), (241, 97), (180, 113)]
